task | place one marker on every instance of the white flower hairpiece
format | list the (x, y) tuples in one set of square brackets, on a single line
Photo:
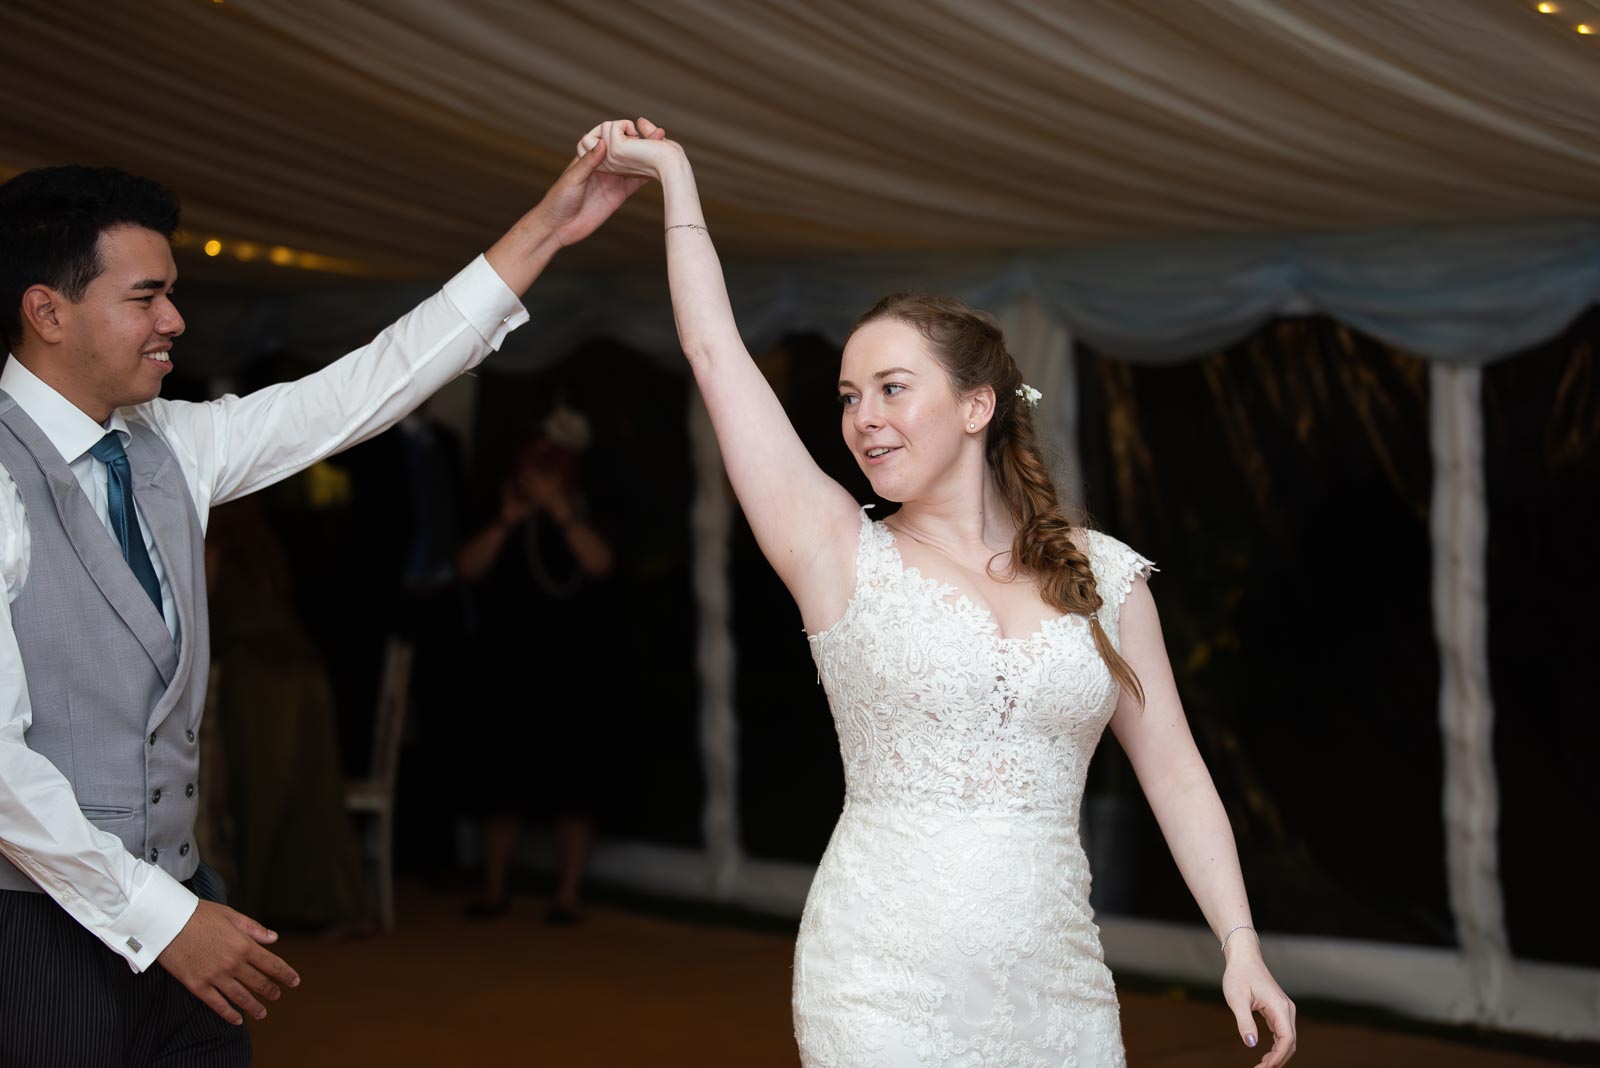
[(1029, 394)]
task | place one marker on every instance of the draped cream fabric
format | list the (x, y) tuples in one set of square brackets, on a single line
[(402, 135)]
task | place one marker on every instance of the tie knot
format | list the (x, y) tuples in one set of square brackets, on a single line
[(108, 450)]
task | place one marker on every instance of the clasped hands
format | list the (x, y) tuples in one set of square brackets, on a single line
[(593, 187), (634, 149), (613, 160)]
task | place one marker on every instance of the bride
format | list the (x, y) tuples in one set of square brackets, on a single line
[(974, 647)]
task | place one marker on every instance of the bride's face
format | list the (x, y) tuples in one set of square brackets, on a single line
[(902, 420)]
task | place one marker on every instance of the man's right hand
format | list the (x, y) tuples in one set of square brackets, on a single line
[(218, 957)]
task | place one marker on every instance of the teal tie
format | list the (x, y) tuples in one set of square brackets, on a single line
[(119, 492)]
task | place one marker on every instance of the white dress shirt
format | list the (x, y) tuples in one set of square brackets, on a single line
[(73, 434), (226, 448)]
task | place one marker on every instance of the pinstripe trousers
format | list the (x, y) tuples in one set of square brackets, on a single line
[(66, 1001)]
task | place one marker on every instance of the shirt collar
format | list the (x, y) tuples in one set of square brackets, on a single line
[(62, 422)]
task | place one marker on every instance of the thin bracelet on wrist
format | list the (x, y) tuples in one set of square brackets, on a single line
[(1236, 930), (696, 227)]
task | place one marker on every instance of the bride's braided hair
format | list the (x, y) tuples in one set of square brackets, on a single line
[(970, 347)]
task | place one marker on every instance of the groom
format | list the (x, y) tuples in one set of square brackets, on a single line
[(104, 493)]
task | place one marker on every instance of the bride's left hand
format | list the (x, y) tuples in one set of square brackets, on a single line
[(638, 151), (1248, 987)]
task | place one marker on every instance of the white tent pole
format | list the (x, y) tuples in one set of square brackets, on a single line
[(710, 527), (1466, 709)]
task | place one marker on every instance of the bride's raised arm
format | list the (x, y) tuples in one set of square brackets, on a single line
[(806, 523)]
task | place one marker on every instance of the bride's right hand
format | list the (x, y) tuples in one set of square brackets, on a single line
[(635, 149)]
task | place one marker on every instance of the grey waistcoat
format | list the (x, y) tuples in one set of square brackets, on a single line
[(116, 704)]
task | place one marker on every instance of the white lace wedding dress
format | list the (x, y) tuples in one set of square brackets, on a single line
[(949, 922)]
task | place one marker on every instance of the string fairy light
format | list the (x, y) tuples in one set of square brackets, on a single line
[(278, 255), (1572, 9)]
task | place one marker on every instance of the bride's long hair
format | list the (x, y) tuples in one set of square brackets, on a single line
[(969, 346)]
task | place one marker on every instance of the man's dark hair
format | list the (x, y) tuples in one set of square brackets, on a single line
[(50, 225)]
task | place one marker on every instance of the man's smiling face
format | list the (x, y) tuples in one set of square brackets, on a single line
[(117, 341)]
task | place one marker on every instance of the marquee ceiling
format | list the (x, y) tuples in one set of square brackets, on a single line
[(392, 138)]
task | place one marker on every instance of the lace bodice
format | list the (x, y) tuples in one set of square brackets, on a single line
[(948, 925), (935, 709)]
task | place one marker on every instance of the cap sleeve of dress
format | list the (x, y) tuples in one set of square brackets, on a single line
[(1115, 568)]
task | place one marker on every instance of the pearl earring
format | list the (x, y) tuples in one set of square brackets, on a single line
[(972, 426)]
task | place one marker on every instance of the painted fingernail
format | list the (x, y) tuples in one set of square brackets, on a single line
[(1250, 1040)]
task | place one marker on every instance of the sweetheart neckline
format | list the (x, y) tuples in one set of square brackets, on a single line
[(984, 617), (963, 605)]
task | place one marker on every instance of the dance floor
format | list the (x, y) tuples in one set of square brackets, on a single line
[(628, 988)]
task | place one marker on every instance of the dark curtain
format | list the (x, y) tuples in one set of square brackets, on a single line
[(1283, 485), (1542, 463)]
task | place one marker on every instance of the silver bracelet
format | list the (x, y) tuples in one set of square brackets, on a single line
[(1236, 930), (689, 226)]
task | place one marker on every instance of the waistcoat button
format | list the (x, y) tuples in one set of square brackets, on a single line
[(183, 850), (188, 791), (155, 854), (155, 798)]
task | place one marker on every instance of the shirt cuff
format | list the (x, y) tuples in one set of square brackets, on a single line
[(153, 918), (484, 300)]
